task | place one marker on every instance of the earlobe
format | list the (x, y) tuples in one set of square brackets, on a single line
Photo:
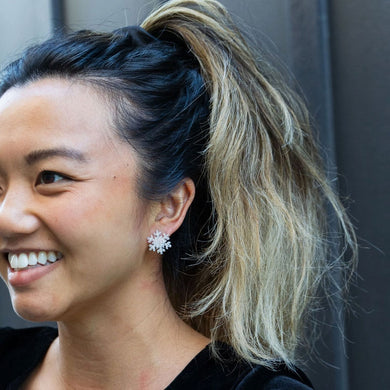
[(174, 207)]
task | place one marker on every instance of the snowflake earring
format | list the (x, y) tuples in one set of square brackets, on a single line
[(159, 242)]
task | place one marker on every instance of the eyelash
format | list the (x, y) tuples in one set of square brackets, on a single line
[(53, 173)]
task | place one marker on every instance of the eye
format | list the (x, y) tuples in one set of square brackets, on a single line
[(50, 177)]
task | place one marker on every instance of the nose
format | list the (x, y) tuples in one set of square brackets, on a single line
[(16, 216)]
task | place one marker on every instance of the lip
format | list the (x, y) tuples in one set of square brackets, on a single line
[(24, 277)]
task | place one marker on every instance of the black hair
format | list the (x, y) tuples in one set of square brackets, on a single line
[(160, 107)]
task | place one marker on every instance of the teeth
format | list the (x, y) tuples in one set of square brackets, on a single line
[(13, 261), (42, 258), (23, 260), (52, 257), (32, 259)]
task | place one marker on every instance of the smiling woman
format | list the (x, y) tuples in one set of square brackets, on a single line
[(162, 199), (70, 200)]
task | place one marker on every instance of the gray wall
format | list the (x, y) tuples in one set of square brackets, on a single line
[(106, 15), (22, 22), (339, 53), (361, 79)]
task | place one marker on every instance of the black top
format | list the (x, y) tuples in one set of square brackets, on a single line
[(21, 351)]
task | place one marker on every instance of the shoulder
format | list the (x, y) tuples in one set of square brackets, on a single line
[(25, 346), (229, 372), (260, 377), (11, 339), (287, 383)]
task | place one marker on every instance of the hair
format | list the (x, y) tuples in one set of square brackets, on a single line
[(195, 100)]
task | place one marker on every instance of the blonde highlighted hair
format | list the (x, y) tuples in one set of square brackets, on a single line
[(269, 250)]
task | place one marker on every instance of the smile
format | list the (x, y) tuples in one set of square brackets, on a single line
[(30, 259)]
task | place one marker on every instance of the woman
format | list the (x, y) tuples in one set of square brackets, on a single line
[(162, 199)]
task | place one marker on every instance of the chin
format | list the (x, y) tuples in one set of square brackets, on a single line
[(35, 310)]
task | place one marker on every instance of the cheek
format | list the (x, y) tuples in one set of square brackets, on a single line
[(108, 216)]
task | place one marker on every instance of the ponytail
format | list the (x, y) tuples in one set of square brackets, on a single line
[(267, 253)]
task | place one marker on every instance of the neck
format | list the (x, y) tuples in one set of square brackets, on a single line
[(137, 342)]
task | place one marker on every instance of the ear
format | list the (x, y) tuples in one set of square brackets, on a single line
[(173, 208)]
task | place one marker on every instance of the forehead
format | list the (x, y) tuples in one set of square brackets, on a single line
[(52, 108), (58, 114)]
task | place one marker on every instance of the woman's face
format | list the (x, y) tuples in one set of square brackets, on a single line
[(68, 186)]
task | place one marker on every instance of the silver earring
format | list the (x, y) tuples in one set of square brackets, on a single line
[(159, 242)]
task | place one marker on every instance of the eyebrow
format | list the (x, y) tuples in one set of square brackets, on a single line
[(43, 154)]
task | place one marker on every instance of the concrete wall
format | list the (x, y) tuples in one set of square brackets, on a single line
[(106, 15), (22, 22)]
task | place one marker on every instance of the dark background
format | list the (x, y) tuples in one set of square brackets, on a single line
[(339, 53)]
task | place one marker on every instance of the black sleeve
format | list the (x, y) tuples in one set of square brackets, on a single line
[(261, 378), (21, 350), (285, 383)]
